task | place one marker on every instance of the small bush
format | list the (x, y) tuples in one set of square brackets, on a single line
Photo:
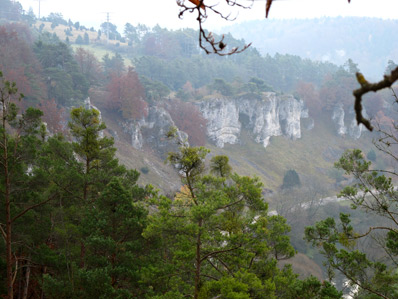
[(144, 170), (371, 156), (291, 179), (79, 40)]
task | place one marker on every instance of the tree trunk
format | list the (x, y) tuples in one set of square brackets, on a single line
[(42, 280), (82, 254), (10, 292), (9, 260), (26, 283), (85, 196), (198, 261)]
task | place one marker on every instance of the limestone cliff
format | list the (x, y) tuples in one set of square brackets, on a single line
[(346, 123), (270, 115), (151, 131), (262, 116)]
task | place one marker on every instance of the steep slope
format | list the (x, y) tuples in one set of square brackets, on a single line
[(310, 152), (151, 166)]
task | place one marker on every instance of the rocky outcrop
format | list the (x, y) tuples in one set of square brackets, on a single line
[(223, 124), (270, 115), (151, 131), (89, 105), (338, 119), (346, 123), (262, 116)]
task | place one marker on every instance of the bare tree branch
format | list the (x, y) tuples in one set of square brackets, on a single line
[(367, 87), (3, 233), (206, 39)]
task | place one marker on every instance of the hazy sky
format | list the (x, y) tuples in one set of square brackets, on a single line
[(165, 12)]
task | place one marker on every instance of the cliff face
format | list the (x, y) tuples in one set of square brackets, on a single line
[(346, 123), (263, 117), (151, 131), (272, 115)]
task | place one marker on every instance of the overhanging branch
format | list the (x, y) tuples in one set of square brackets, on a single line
[(206, 39), (33, 207), (366, 87)]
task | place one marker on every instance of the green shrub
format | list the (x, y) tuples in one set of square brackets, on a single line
[(144, 170)]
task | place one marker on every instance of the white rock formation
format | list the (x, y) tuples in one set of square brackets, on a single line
[(340, 119), (272, 115), (265, 117), (223, 124), (152, 130), (89, 105)]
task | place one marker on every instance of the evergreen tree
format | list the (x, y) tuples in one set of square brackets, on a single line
[(20, 194), (79, 40), (65, 82), (97, 226), (375, 194), (291, 179), (86, 38), (115, 248), (94, 149), (216, 237)]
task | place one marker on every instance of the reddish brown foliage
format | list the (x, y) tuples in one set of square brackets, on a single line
[(160, 46), (189, 119), (127, 95), (384, 122), (89, 65), (18, 62), (373, 103), (337, 89), (18, 75), (53, 116), (187, 87), (310, 96)]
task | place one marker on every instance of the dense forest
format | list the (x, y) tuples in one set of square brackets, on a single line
[(77, 223)]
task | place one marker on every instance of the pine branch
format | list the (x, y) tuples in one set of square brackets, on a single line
[(218, 252), (33, 207)]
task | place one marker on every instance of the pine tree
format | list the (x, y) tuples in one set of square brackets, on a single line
[(115, 248), (216, 237), (20, 143), (375, 194)]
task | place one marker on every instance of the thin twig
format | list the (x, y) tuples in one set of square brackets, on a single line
[(207, 42)]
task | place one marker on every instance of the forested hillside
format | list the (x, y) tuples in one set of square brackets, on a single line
[(132, 165), (128, 81), (368, 40)]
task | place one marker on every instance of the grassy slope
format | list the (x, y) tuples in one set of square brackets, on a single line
[(160, 175), (309, 156), (97, 47), (60, 32)]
